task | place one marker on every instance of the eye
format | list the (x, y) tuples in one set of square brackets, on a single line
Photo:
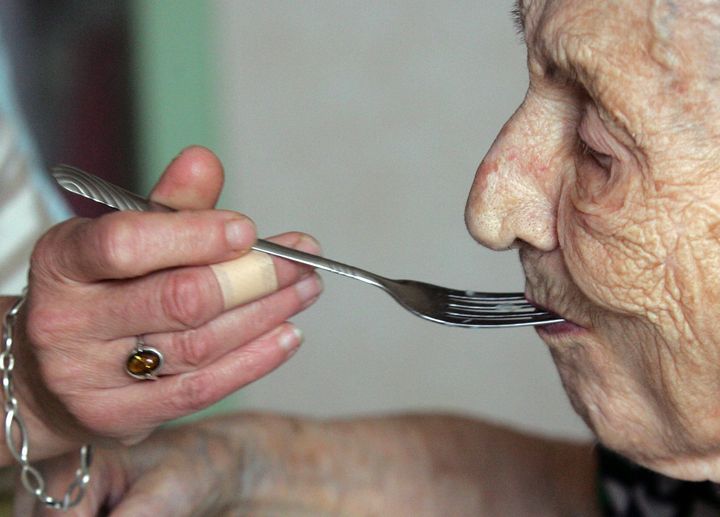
[(595, 145), (601, 159), (601, 177)]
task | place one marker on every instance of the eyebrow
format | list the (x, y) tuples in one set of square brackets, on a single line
[(517, 16)]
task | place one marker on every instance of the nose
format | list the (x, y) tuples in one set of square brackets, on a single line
[(514, 196)]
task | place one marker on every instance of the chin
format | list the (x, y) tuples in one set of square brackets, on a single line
[(690, 469), (667, 461), (621, 413)]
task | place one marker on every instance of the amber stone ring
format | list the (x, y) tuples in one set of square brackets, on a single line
[(144, 361)]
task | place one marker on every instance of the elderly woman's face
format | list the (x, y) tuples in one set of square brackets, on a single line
[(607, 177)]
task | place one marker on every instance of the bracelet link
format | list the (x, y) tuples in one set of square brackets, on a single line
[(31, 478), (13, 417)]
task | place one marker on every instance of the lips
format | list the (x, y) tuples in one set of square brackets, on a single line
[(537, 305), (550, 288), (562, 327)]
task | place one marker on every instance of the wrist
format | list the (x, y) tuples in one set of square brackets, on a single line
[(16, 431), (282, 462), (347, 467), (45, 440)]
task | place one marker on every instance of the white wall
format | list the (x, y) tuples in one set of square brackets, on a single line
[(363, 123)]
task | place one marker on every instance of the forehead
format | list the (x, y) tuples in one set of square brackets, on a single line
[(603, 44), (667, 33), (618, 43), (559, 27), (533, 9), (647, 64)]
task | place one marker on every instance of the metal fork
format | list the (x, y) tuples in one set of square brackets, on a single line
[(431, 302)]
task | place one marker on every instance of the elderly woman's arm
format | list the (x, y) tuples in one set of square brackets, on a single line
[(396, 465), (424, 464)]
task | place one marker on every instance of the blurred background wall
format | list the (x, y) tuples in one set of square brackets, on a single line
[(361, 123), (73, 72)]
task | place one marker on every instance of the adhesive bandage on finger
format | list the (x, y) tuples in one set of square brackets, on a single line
[(246, 278)]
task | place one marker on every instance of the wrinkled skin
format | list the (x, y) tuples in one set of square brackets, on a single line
[(607, 179), (259, 464), (96, 284)]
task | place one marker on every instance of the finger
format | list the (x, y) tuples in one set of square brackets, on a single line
[(192, 349), (188, 298), (131, 244), (183, 348), (192, 181), (189, 350), (195, 390), (153, 402)]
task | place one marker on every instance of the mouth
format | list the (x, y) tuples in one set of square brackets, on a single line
[(562, 328), (546, 278), (566, 327)]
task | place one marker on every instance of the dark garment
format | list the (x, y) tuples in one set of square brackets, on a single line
[(628, 490)]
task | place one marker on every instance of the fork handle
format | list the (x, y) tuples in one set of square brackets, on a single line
[(316, 261), (101, 191)]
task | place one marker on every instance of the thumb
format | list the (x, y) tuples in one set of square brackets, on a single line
[(192, 181)]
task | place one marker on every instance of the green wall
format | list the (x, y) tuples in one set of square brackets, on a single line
[(174, 83)]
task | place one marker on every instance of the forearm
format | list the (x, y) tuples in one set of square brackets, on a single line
[(430, 464)]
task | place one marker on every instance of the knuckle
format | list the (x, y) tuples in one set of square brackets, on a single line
[(182, 299), (254, 363), (255, 360), (260, 316), (195, 392), (193, 349), (115, 242), (44, 259), (41, 254)]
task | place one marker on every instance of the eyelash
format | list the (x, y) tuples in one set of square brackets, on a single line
[(601, 159), (517, 19)]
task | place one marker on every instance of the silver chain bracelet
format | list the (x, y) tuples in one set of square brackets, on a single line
[(29, 475)]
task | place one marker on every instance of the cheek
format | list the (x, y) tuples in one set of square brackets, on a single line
[(653, 259), (613, 256), (692, 278)]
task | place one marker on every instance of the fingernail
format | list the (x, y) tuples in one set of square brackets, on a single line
[(291, 339), (309, 287), (240, 233), (309, 245)]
